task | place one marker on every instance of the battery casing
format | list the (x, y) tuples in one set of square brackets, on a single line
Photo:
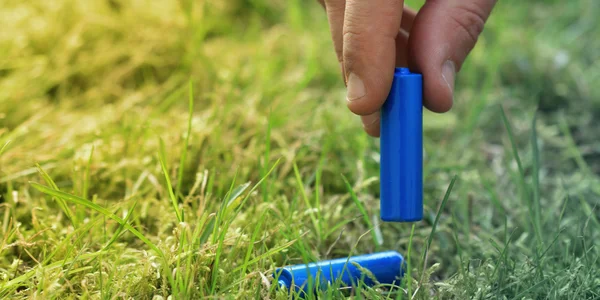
[(386, 267), (401, 142)]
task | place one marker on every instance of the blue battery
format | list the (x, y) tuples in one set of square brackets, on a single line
[(387, 267), (401, 173)]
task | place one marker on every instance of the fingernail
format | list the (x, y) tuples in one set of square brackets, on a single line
[(449, 73), (356, 88)]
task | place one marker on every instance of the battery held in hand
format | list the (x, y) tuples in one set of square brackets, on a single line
[(401, 178)]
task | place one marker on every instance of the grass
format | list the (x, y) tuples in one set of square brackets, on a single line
[(189, 148)]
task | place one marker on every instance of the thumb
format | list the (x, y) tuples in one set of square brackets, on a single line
[(443, 34)]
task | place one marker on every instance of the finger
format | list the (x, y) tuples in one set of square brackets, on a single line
[(335, 14), (443, 34), (402, 49), (371, 123), (408, 18), (369, 51)]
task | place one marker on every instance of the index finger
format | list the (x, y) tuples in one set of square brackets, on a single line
[(369, 51)]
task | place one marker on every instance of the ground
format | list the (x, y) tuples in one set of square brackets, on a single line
[(187, 148)]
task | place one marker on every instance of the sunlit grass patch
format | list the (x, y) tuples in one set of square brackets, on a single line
[(189, 148)]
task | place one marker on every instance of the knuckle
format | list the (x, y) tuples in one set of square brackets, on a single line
[(469, 18), (352, 41), (352, 49), (350, 34)]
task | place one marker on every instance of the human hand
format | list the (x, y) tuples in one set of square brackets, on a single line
[(372, 37)]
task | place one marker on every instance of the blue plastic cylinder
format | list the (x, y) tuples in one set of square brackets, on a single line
[(401, 178), (387, 268)]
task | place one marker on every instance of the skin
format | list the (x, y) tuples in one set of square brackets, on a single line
[(372, 37)]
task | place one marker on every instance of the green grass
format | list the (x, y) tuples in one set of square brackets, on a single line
[(189, 148)]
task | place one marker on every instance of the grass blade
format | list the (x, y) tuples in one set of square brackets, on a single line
[(63, 205), (4, 147), (521, 170), (184, 149), (117, 233), (254, 237), (536, 179), (363, 211), (86, 175), (234, 200), (163, 165), (572, 149), (437, 219), (306, 201), (408, 276), (266, 158), (513, 144)]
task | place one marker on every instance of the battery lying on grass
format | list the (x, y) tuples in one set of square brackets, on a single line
[(386, 267)]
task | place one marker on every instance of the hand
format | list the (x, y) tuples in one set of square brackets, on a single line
[(372, 37)]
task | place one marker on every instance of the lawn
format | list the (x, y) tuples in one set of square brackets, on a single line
[(186, 149)]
